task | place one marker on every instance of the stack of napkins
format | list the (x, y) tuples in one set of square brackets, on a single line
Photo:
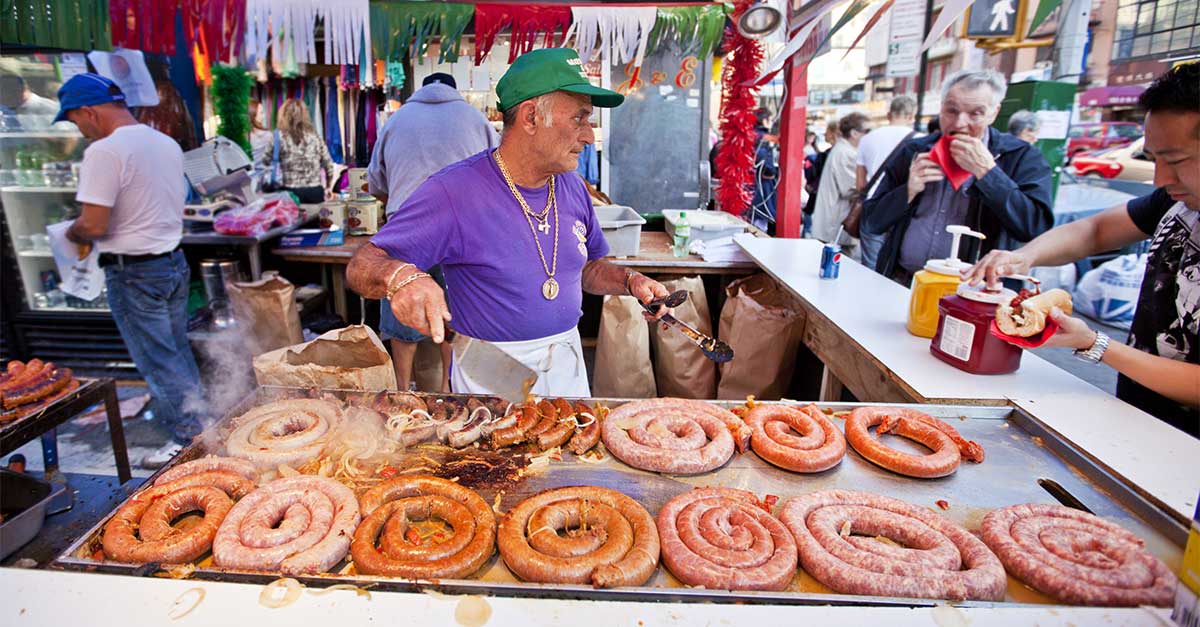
[(722, 250)]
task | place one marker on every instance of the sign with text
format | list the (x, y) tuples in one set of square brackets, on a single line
[(904, 38), (994, 19)]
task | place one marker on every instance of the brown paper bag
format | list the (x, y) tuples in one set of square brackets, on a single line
[(266, 311), (623, 351), (352, 358), (680, 369), (763, 324)]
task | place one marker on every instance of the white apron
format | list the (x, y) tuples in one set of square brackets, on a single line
[(558, 360)]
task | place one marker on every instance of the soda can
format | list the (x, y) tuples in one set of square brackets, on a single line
[(831, 261)]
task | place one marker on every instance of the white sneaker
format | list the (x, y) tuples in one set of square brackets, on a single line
[(159, 458)]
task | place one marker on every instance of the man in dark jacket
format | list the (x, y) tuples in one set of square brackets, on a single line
[(1006, 197)]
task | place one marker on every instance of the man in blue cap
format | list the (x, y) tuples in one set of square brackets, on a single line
[(131, 193), (514, 231)]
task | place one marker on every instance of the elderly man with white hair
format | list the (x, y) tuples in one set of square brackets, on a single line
[(1005, 194), (1024, 125), (515, 233)]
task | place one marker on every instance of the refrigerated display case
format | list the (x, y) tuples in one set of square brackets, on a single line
[(39, 168)]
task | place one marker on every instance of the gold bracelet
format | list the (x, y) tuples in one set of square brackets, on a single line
[(406, 281), (629, 279), (387, 285)]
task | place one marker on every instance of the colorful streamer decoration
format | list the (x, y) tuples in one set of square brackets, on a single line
[(735, 158), (146, 25), (525, 21), (399, 29), (697, 31), (283, 28), (67, 24), (217, 27), (347, 30), (624, 31)]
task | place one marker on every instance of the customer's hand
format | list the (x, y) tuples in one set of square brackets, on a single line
[(422, 306), (922, 171), (996, 265), (971, 155)]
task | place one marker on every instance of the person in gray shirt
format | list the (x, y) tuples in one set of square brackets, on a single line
[(433, 129)]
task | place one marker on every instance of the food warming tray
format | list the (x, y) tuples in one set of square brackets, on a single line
[(1026, 463)]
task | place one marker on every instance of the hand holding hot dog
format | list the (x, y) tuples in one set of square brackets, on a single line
[(922, 171), (1072, 332)]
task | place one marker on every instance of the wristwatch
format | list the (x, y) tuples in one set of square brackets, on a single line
[(1095, 352)]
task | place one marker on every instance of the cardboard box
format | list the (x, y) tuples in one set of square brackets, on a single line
[(334, 236)]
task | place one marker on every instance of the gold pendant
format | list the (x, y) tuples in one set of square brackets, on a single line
[(550, 289)]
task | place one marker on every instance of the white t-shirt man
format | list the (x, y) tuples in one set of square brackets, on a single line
[(874, 149), (138, 172)]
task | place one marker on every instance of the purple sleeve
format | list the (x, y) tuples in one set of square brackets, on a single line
[(423, 230)]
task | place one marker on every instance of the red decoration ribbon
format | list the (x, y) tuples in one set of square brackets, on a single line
[(735, 159), (526, 21)]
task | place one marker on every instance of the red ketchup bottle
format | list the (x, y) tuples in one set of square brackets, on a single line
[(963, 339)]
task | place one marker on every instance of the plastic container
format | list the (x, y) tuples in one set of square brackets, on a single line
[(939, 278), (963, 339), (23, 501), (705, 225), (622, 227)]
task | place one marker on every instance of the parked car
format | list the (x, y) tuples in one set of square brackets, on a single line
[(1096, 136), (1124, 163)]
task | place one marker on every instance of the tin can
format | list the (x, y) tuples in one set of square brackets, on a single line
[(831, 261)]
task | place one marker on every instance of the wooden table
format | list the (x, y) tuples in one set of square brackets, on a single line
[(43, 423), (654, 257)]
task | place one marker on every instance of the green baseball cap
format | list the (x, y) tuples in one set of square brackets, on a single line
[(551, 69)]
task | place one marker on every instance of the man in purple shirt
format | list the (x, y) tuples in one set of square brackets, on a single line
[(514, 231)]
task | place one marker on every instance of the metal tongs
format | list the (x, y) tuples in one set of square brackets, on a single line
[(712, 348)]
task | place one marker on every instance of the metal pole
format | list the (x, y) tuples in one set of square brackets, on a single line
[(923, 71)]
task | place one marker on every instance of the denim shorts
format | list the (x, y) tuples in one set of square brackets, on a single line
[(391, 329)]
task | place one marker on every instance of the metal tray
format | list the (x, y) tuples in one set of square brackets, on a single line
[(1025, 463), (28, 498)]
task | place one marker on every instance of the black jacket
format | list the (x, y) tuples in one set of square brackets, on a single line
[(1010, 204)]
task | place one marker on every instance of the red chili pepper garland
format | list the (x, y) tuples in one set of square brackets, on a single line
[(735, 159)]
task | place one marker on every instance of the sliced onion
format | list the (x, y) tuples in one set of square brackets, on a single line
[(490, 417), (270, 598), (181, 607), (287, 471), (585, 424), (362, 592)]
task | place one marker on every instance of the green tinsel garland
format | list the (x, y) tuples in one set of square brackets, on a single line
[(401, 28), (698, 30), (231, 99)]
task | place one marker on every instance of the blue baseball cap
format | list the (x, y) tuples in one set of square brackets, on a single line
[(86, 90)]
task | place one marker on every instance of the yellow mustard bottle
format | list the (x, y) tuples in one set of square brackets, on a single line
[(940, 277)]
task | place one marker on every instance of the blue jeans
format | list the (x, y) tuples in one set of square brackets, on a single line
[(870, 244), (149, 304)]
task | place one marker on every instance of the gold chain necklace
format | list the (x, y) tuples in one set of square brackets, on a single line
[(550, 286), (541, 218)]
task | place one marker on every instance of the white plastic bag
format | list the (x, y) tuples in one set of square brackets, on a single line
[(1109, 293)]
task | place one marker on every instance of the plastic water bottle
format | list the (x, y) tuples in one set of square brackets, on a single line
[(683, 233)]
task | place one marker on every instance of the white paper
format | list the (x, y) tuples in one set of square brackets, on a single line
[(665, 89), (81, 278), (1054, 124), (127, 68), (72, 63), (693, 102)]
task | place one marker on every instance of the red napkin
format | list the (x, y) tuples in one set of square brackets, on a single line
[(1033, 341), (940, 154)]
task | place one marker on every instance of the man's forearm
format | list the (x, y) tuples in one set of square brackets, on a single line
[(369, 271), (1177, 380), (1108, 230), (75, 236), (602, 277)]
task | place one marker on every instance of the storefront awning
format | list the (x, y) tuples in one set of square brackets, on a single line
[(1111, 96)]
